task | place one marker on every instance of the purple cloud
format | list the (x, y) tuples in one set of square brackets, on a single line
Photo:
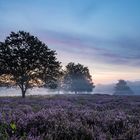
[(109, 51)]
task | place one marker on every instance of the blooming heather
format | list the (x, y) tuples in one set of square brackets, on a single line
[(70, 117)]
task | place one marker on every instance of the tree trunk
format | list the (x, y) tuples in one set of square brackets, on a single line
[(23, 90), (23, 93)]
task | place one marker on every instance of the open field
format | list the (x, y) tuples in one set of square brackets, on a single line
[(70, 117)]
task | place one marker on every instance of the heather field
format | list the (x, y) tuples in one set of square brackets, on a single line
[(70, 117)]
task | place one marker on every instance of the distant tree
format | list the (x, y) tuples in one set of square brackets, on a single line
[(121, 88), (27, 59), (77, 78)]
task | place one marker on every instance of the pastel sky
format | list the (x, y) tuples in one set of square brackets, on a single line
[(101, 34)]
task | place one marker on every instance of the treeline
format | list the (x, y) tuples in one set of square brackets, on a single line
[(25, 61), (122, 88)]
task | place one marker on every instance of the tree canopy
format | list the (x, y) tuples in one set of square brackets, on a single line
[(121, 88), (26, 59), (77, 78)]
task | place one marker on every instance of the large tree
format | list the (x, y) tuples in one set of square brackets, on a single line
[(122, 88), (77, 78), (26, 59)]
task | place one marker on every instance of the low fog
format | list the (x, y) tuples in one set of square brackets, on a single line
[(99, 89)]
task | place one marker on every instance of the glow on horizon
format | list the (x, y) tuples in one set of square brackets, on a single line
[(103, 35), (102, 72)]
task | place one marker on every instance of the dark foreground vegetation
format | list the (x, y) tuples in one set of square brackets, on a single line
[(70, 117)]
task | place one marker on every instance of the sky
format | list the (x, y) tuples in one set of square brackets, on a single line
[(103, 35)]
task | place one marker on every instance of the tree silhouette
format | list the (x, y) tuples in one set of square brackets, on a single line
[(27, 59), (121, 88), (77, 78)]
